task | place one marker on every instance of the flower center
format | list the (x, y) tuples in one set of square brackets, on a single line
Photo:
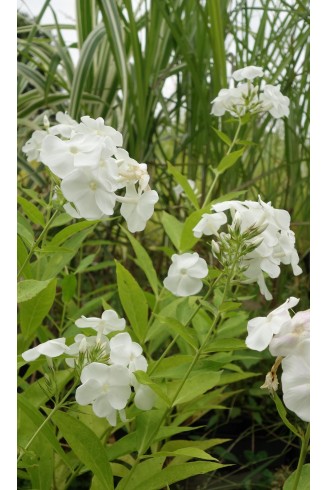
[(93, 185), (183, 271), (73, 150)]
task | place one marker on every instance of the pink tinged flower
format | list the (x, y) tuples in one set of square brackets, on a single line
[(209, 224), (295, 380), (65, 127), (107, 388), (109, 322), (32, 147), (91, 196), (262, 329), (291, 335), (127, 353), (185, 274), (248, 73), (274, 101), (51, 348), (137, 208)]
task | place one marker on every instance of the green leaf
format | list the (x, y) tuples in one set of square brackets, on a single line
[(196, 385), (183, 181), (144, 261), (189, 452), (229, 160), (144, 470), (176, 327), (71, 230), (87, 447), (33, 311), (144, 379), (36, 419), (31, 211), (173, 228), (26, 290), (133, 301), (283, 415), (147, 425), (68, 285), (304, 481), (85, 263), (224, 137), (175, 473), (219, 345)]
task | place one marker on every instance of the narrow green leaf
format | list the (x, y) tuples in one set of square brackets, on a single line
[(304, 481), (187, 452), (26, 290), (147, 425), (68, 286), (31, 211), (144, 261), (133, 301), (283, 415), (183, 181), (177, 327), (224, 137), (33, 311), (144, 379), (173, 228), (36, 419), (87, 447), (229, 160), (175, 473)]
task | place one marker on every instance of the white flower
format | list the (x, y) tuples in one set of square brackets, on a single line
[(137, 208), (86, 344), (209, 224), (92, 197), (262, 329), (130, 171), (248, 73), (274, 101), (127, 353), (273, 245), (63, 156), (291, 334), (185, 274), (109, 322), (107, 388), (51, 348), (97, 127), (295, 380), (144, 395), (228, 99), (32, 147), (65, 127)]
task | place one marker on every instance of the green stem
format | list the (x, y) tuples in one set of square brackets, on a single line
[(53, 411), (40, 237), (196, 358), (217, 174), (303, 453), (171, 344)]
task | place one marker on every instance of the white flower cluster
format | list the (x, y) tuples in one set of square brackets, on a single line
[(185, 274), (275, 242), (245, 97), (93, 167), (290, 338), (106, 384)]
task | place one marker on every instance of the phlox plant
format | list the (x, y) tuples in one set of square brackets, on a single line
[(113, 388)]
